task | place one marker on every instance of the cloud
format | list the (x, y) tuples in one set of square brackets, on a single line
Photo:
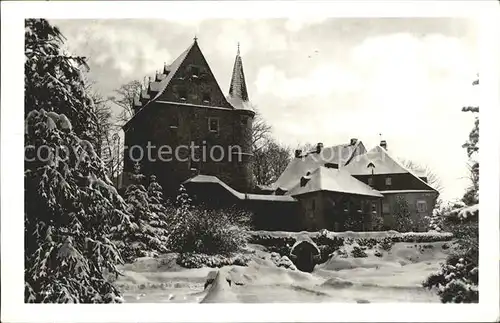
[(297, 23)]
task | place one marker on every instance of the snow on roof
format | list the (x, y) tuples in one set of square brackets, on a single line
[(162, 85), (155, 86), (298, 167), (333, 180), (378, 156), (239, 104), (407, 191), (383, 162), (208, 179)]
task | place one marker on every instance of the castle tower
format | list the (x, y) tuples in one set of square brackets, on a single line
[(184, 106), (238, 98)]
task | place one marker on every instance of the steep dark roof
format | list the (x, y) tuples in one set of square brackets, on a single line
[(238, 93), (384, 164), (332, 180), (299, 166), (159, 86)]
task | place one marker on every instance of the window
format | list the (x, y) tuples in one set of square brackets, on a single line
[(174, 123), (388, 181), (206, 98), (213, 124), (313, 204), (182, 94), (370, 181), (346, 206), (421, 206), (385, 208), (195, 70), (374, 207), (244, 120)]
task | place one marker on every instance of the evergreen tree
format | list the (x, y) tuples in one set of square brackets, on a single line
[(54, 81), (147, 235), (70, 206), (471, 196), (402, 215)]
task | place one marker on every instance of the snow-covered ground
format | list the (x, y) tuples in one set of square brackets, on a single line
[(396, 276)]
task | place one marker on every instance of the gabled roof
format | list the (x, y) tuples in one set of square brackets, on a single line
[(299, 166), (160, 86), (384, 164), (332, 180), (378, 156)]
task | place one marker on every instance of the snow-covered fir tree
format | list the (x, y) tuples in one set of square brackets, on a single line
[(54, 80), (70, 207), (148, 235)]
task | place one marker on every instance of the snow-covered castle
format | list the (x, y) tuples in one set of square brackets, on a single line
[(327, 187)]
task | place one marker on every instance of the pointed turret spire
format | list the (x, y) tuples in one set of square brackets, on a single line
[(238, 88)]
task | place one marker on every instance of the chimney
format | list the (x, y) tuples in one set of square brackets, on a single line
[(298, 153), (354, 141), (319, 147), (383, 144)]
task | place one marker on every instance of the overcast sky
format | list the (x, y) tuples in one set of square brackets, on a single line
[(323, 80)]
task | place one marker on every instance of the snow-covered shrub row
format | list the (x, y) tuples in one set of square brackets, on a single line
[(70, 207), (207, 231), (198, 260), (280, 238)]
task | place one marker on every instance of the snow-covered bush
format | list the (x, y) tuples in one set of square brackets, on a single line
[(197, 260), (207, 231), (282, 261), (457, 281), (70, 206), (357, 252)]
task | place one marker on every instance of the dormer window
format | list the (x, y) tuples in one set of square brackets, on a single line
[(213, 124), (206, 98), (388, 181)]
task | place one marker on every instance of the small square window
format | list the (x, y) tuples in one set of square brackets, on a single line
[(174, 122), (195, 70), (421, 206), (385, 208), (388, 181), (244, 120), (213, 124), (182, 94), (206, 98)]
